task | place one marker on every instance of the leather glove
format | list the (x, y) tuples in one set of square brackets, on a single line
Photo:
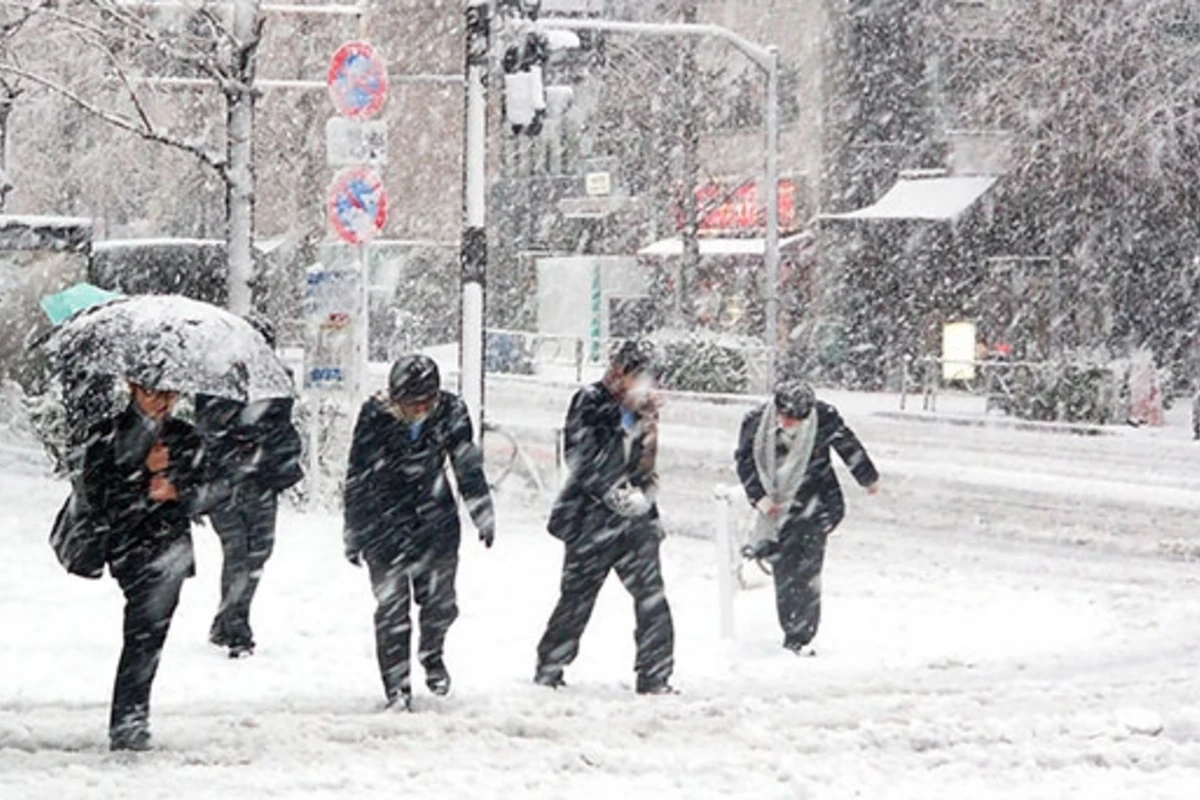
[(628, 501), (487, 535)]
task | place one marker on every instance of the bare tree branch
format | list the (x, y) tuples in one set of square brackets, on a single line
[(146, 130)]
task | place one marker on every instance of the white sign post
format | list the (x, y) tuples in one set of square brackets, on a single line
[(337, 305)]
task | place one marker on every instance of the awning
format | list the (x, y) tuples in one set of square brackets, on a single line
[(671, 248), (930, 198)]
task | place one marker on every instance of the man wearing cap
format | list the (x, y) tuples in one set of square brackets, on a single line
[(141, 474), (797, 496), (401, 517), (607, 518)]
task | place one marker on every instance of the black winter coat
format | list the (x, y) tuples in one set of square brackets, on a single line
[(116, 487), (594, 449), (254, 445), (819, 497), (398, 500)]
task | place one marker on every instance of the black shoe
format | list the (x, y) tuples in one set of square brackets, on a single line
[(437, 679), (401, 701), (550, 677), (218, 637), (241, 650), (136, 740), (655, 686), (798, 647)]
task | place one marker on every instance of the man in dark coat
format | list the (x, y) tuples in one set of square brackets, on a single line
[(797, 496), (401, 516), (607, 518), (141, 473), (256, 450)]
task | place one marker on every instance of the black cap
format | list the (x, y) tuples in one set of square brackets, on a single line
[(795, 399), (637, 355), (414, 377)]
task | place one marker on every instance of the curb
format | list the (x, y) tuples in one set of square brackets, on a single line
[(1071, 428)]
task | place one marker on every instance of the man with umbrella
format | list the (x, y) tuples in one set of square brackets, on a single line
[(141, 473), (401, 517), (140, 479)]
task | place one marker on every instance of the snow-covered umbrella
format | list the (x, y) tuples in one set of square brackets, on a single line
[(169, 342)]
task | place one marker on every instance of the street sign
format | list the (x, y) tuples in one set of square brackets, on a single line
[(330, 317), (357, 80), (358, 205), (349, 141), (597, 184)]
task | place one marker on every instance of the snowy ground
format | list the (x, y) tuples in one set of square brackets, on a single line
[(1016, 616)]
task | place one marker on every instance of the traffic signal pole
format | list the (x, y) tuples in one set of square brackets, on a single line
[(474, 253), (767, 60), (474, 238)]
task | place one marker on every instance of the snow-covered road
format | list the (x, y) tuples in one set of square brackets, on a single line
[(1015, 616)]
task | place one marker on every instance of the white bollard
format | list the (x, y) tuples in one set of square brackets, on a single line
[(725, 588)]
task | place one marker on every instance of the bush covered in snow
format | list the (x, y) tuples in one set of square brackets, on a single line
[(696, 361), (1062, 392)]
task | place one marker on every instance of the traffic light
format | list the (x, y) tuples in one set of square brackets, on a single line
[(527, 99)]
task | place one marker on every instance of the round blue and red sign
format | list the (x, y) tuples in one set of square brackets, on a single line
[(357, 80), (358, 205)]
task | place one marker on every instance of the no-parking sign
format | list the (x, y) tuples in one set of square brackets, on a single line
[(357, 80), (358, 205)]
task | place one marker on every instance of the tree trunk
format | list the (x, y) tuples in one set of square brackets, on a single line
[(239, 171), (7, 98)]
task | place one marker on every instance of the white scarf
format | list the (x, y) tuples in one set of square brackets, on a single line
[(782, 485)]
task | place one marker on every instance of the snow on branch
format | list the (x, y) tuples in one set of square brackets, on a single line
[(142, 126)]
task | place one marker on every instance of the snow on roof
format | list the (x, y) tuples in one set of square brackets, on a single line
[(719, 247), (43, 221), (117, 244), (916, 197)]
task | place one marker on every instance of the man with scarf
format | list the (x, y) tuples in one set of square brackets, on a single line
[(607, 518), (401, 516), (797, 496)]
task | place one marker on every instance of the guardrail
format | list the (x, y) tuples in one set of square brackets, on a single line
[(992, 378), (531, 352)]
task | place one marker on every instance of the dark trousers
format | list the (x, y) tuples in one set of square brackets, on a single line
[(633, 552), (797, 572), (430, 581), (151, 595), (246, 527)]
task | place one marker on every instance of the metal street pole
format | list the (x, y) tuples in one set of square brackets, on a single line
[(767, 59), (474, 252), (771, 256)]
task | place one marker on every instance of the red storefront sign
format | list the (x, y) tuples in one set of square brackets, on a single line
[(726, 209)]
